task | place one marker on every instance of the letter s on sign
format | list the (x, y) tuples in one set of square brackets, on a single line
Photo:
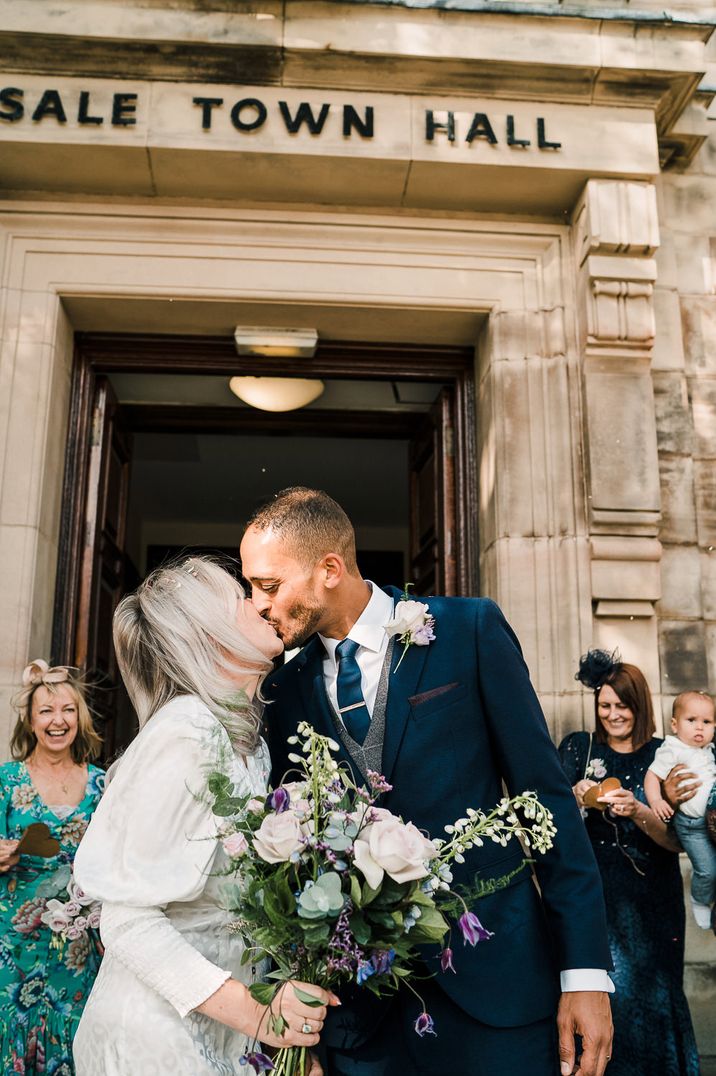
[(12, 97)]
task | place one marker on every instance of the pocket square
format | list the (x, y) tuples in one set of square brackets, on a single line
[(426, 696)]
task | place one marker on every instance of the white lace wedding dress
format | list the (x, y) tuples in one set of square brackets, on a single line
[(152, 856)]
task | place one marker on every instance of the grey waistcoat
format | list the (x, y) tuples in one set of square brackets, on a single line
[(369, 754)]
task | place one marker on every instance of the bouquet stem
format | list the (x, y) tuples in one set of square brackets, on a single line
[(292, 1061)]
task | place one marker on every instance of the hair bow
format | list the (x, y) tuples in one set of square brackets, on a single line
[(39, 672)]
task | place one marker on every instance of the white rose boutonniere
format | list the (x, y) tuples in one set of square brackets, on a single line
[(412, 623)]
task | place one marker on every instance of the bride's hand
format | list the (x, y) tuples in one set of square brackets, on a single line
[(297, 1014)]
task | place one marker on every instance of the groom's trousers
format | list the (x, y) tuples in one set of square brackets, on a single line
[(460, 1045)]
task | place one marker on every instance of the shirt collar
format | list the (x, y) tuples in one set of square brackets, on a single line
[(369, 628)]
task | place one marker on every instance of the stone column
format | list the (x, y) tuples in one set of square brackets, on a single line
[(615, 230), (534, 558)]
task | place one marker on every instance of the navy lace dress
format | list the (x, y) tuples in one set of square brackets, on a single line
[(644, 895)]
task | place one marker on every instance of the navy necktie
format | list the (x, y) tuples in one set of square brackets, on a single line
[(351, 704)]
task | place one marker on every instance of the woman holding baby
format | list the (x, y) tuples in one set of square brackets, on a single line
[(639, 864)]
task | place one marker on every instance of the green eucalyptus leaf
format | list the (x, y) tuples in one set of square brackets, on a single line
[(356, 896), (218, 783)]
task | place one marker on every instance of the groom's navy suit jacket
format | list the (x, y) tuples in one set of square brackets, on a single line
[(461, 718)]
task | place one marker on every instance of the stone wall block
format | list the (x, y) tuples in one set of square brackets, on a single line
[(521, 481), (18, 549), (622, 441), (681, 582), (698, 319), (674, 430), (707, 559), (538, 579), (25, 438), (688, 205), (667, 270), (710, 638), (668, 353), (561, 393), (682, 647), (678, 523), (703, 406), (636, 639), (705, 490)]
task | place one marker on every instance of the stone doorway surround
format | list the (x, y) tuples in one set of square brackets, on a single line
[(557, 531)]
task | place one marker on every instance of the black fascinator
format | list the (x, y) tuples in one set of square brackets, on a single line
[(596, 666)]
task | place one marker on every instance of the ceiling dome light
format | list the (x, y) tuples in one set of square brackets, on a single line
[(276, 393)]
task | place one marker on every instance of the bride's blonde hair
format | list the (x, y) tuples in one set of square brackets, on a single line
[(177, 634)]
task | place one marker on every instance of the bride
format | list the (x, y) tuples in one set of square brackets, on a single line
[(172, 992)]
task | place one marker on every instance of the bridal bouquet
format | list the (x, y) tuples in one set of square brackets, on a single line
[(72, 918), (334, 889)]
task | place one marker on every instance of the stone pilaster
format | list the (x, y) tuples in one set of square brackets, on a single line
[(616, 235)]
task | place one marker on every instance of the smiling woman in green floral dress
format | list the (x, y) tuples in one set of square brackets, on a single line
[(44, 981)]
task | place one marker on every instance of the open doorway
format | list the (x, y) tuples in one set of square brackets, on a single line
[(163, 458)]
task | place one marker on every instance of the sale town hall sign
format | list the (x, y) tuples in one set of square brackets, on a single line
[(166, 139)]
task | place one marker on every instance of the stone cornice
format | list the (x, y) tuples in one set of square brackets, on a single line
[(655, 64)]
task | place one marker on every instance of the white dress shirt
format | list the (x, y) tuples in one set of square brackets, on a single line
[(369, 632)]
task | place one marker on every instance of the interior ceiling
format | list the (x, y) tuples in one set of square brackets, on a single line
[(220, 478), (215, 317), (214, 391)]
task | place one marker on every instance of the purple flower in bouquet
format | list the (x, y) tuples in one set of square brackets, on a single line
[(378, 783), (472, 929), (446, 963), (365, 970), (259, 1062), (424, 1025), (278, 801), (382, 960)]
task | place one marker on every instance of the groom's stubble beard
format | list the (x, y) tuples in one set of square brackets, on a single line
[(303, 620)]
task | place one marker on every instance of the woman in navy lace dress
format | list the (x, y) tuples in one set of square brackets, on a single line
[(639, 863)]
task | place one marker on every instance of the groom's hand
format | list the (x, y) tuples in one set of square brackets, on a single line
[(586, 1013)]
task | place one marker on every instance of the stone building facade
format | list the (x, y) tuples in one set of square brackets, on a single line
[(533, 181)]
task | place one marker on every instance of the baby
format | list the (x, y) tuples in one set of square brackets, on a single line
[(692, 722)]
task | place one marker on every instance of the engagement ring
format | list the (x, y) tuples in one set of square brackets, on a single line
[(306, 1028)]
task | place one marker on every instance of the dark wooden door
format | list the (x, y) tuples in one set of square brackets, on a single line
[(103, 570), (433, 529)]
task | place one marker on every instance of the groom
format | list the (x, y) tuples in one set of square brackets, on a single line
[(446, 723)]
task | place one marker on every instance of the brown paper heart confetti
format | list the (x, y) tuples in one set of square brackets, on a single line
[(610, 784), (38, 841)]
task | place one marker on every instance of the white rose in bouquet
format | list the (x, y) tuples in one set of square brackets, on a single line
[(395, 848), (56, 916), (278, 837)]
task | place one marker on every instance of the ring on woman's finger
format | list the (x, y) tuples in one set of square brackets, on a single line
[(306, 1028)]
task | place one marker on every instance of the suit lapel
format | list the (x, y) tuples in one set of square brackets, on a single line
[(402, 683)]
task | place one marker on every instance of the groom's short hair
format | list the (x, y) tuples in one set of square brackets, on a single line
[(310, 523)]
